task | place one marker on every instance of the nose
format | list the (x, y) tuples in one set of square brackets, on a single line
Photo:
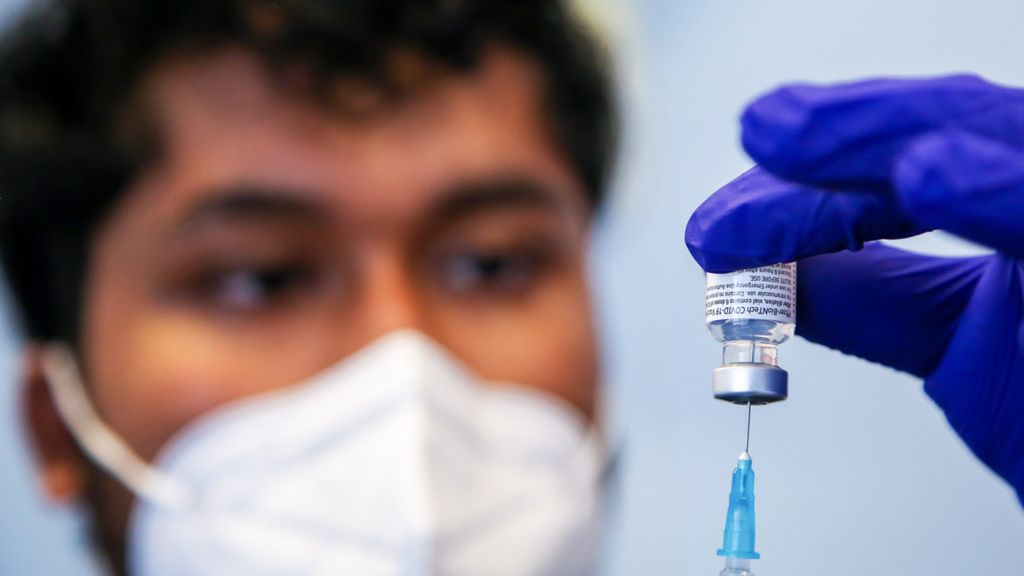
[(390, 299)]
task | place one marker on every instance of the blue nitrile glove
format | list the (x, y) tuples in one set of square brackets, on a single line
[(848, 164)]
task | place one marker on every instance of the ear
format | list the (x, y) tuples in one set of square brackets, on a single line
[(59, 463)]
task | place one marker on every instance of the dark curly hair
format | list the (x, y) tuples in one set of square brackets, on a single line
[(69, 68)]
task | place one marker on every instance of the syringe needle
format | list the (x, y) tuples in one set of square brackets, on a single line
[(746, 447)]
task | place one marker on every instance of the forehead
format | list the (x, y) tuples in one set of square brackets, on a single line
[(225, 122)]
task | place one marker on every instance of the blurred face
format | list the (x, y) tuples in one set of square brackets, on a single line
[(275, 238)]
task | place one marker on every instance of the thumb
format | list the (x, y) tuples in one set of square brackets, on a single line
[(967, 185)]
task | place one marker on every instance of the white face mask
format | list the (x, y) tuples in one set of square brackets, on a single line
[(396, 461)]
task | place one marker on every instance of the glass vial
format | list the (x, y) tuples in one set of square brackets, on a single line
[(751, 312)]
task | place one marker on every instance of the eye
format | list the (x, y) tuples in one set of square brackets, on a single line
[(243, 288), (491, 272)]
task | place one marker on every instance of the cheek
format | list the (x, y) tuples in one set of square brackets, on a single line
[(153, 374), (159, 371), (548, 344), (150, 379)]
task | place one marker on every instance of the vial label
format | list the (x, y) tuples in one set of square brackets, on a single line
[(767, 293)]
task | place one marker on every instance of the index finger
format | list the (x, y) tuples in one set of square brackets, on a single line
[(759, 219), (849, 135)]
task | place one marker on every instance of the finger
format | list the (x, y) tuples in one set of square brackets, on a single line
[(885, 305), (967, 185), (954, 322), (979, 383), (758, 219), (849, 135)]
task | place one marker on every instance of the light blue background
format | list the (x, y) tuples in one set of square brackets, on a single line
[(904, 496)]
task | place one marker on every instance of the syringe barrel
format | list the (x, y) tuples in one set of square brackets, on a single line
[(736, 567)]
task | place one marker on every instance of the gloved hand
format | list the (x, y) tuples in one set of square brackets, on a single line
[(844, 165)]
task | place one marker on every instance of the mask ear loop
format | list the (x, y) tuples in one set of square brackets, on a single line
[(106, 448)]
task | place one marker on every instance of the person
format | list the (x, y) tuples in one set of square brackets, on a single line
[(842, 166), (303, 284)]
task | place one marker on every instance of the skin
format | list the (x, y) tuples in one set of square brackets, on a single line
[(275, 238)]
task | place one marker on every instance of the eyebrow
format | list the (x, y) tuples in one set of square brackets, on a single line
[(485, 195), (254, 202), (246, 202)]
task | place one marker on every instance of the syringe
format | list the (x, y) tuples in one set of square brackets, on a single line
[(738, 540)]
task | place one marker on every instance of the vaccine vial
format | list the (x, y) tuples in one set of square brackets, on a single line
[(751, 312)]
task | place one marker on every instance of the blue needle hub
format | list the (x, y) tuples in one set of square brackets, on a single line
[(738, 541)]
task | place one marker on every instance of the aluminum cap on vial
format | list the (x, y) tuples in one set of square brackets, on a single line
[(754, 383)]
